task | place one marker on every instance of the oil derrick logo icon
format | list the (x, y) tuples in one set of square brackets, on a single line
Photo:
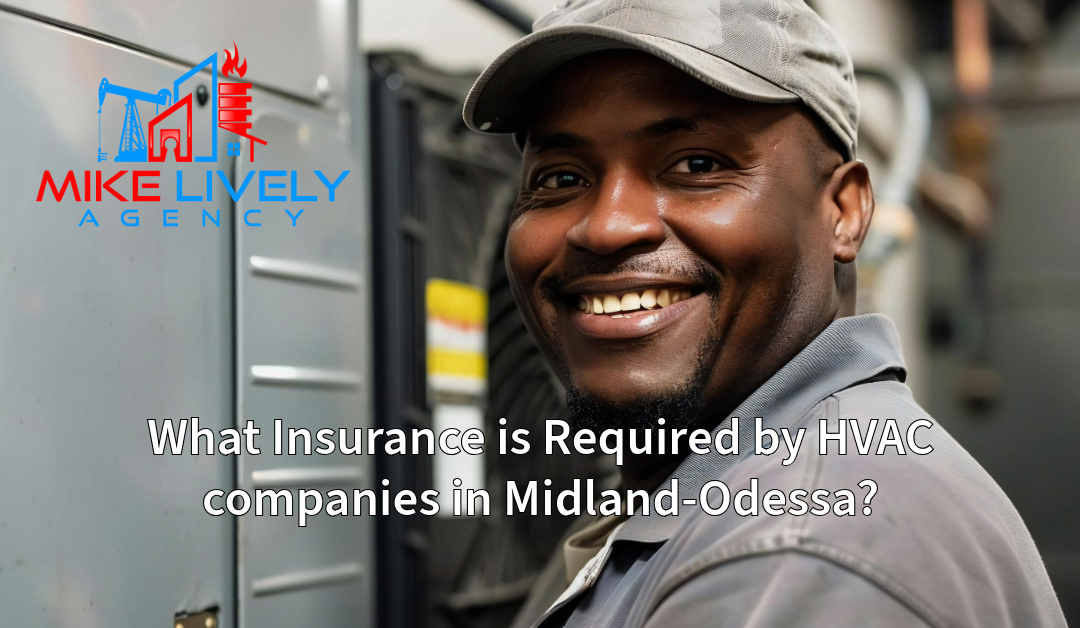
[(171, 128)]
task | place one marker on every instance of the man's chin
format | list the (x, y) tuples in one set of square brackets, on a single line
[(679, 406)]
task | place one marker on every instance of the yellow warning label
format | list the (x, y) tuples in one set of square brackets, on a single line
[(457, 302), (459, 363)]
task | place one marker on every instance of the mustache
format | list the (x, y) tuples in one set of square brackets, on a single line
[(681, 265)]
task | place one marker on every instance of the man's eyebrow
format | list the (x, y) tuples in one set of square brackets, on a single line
[(557, 141), (666, 127)]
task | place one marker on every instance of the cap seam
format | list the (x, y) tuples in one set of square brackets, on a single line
[(725, 59)]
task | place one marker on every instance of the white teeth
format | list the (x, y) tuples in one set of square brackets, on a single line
[(630, 301)]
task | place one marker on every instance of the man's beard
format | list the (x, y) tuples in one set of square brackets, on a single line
[(680, 406)]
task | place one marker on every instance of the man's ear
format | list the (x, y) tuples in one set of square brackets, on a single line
[(850, 200)]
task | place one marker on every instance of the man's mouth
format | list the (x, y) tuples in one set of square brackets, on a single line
[(631, 304), (628, 312)]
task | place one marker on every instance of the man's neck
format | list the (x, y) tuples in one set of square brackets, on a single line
[(648, 471)]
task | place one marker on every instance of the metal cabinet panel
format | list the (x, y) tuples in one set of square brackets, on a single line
[(302, 358), (102, 328), (320, 34)]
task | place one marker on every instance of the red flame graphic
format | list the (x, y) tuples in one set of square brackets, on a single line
[(231, 64)]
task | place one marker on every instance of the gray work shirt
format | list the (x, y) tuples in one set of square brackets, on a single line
[(942, 547)]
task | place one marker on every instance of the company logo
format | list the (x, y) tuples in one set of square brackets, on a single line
[(170, 131), (171, 128)]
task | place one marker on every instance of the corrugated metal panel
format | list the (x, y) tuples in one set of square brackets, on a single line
[(302, 315)]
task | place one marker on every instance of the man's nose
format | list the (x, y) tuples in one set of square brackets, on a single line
[(624, 214)]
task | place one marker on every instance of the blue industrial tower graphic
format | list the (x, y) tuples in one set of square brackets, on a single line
[(210, 62)]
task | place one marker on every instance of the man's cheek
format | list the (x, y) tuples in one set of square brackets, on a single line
[(735, 236), (530, 247), (523, 275)]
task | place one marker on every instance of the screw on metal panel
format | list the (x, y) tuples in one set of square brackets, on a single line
[(202, 95), (322, 87), (395, 81)]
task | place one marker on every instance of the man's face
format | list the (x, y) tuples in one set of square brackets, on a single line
[(672, 246)]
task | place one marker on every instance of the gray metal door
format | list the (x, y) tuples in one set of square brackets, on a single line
[(302, 301), (102, 328)]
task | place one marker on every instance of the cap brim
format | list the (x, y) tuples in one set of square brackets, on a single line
[(499, 101)]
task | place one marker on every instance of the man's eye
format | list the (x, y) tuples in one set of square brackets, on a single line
[(561, 180), (697, 164)]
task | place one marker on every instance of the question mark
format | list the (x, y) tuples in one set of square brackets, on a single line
[(872, 485)]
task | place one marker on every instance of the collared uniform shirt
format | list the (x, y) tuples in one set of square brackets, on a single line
[(943, 546)]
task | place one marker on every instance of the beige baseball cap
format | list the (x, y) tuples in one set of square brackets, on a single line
[(769, 51)]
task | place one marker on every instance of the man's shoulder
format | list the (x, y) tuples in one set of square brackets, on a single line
[(878, 432), (939, 528), (925, 481)]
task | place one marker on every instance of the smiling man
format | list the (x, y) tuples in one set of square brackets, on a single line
[(683, 246)]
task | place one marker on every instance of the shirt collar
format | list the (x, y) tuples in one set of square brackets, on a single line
[(849, 351)]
